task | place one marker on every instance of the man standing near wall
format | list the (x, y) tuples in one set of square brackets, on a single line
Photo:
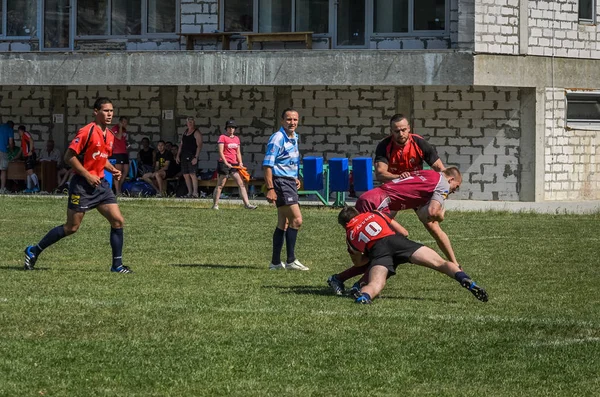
[(280, 165), (402, 152), (6, 141)]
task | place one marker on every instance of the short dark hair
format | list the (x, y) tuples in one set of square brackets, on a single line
[(346, 214), (160, 142), (11, 123), (397, 117), (174, 146), (169, 143), (287, 110), (123, 118), (22, 128), (101, 101), (452, 172), (144, 138)]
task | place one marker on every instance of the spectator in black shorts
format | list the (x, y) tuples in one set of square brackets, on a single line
[(146, 157), (187, 156), (89, 189), (162, 170)]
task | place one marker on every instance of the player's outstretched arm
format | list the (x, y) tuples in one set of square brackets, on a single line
[(399, 228), (442, 240)]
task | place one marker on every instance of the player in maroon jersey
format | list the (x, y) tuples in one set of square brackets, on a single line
[(424, 191), (373, 239)]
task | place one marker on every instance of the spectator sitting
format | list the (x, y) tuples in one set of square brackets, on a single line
[(50, 153), (146, 156), (163, 170), (169, 146)]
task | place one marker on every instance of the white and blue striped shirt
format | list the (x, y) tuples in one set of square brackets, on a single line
[(283, 154)]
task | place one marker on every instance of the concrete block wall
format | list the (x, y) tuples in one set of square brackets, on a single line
[(572, 157), (253, 108), (476, 129), (199, 16), (497, 26), (140, 104), (29, 106), (554, 29)]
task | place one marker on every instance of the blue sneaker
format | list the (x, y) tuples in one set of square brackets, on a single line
[(121, 269), (30, 258), (35, 189), (28, 191), (363, 300), (336, 285), (475, 289), (355, 290)]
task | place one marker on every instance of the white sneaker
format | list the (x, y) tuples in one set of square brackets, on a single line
[(295, 265), (250, 207), (280, 266), (215, 207)]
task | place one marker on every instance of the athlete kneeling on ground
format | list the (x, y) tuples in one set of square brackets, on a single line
[(375, 238)]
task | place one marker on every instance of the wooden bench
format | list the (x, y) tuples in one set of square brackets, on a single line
[(304, 37), (224, 37), (45, 170)]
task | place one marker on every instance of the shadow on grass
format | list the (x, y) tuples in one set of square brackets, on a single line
[(211, 266), (21, 268), (416, 298)]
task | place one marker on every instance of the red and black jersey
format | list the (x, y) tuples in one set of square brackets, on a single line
[(365, 229), (26, 144), (405, 158), (97, 150)]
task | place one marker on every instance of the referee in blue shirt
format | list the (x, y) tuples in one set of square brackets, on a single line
[(281, 163)]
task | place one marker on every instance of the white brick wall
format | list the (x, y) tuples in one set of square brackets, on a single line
[(199, 16), (572, 157), (476, 129), (28, 106), (497, 26)]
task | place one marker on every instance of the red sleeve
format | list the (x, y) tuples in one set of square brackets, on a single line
[(221, 140), (80, 139)]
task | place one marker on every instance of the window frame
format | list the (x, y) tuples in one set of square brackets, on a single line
[(4, 23), (411, 22), (587, 21), (581, 124), (144, 24)]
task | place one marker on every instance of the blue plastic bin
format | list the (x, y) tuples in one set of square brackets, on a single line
[(339, 175), (312, 172), (108, 176)]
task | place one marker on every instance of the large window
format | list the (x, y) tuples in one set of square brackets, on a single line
[(583, 109), (126, 17), (587, 10), (408, 16), (19, 17), (276, 15)]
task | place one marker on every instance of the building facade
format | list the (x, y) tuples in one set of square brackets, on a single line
[(507, 90)]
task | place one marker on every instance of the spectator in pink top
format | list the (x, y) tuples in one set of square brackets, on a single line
[(120, 152), (230, 155)]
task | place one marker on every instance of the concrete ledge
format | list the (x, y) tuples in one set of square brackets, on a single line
[(552, 207)]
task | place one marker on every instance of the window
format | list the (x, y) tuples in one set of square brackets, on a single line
[(409, 16), (126, 17), (586, 10), (19, 17), (583, 109), (276, 15)]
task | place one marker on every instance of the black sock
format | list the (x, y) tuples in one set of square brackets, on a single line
[(278, 237), (50, 238), (290, 243), (460, 276), (116, 243)]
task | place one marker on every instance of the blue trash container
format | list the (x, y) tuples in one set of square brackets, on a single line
[(108, 176), (362, 172), (312, 173), (339, 175)]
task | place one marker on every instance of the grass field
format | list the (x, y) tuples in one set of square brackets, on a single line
[(202, 315)]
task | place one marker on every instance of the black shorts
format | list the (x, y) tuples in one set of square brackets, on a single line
[(287, 192), (84, 197), (30, 162), (170, 173), (222, 169), (120, 158), (187, 167), (392, 251)]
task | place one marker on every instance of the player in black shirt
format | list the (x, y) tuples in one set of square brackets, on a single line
[(162, 169)]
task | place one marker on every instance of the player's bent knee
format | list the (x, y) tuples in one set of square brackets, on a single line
[(70, 229), (296, 223)]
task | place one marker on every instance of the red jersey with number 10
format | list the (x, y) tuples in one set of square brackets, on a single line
[(365, 229), (99, 148)]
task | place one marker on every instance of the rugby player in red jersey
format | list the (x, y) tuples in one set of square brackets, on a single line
[(88, 188), (373, 240), (424, 191)]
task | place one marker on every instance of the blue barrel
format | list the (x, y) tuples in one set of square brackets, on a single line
[(362, 172), (108, 176), (312, 172), (339, 175)]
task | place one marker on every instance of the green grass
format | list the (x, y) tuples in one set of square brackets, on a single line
[(202, 315)]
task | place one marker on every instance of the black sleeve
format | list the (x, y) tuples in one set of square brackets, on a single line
[(429, 153), (381, 154), (168, 156)]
